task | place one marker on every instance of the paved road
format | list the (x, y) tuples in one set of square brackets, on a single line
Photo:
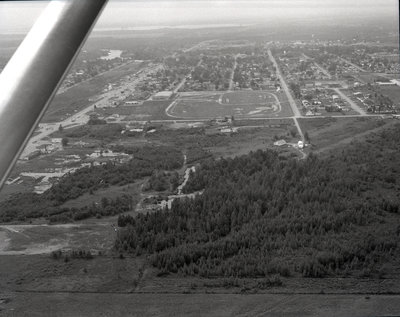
[(292, 103), (231, 82), (351, 102), (261, 118), (183, 81), (180, 85)]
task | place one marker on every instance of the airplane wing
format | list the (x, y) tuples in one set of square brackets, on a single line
[(32, 76)]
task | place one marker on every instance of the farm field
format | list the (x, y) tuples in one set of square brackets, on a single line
[(240, 104)]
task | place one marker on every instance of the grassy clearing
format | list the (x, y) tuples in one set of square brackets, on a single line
[(325, 133), (240, 104), (393, 92), (367, 77), (108, 273), (149, 110), (111, 192), (250, 139), (247, 139), (42, 239)]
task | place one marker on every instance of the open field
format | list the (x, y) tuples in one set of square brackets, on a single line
[(35, 269), (208, 105), (64, 304), (240, 104), (393, 92), (250, 137), (149, 110), (77, 97), (42, 239), (327, 133), (111, 192), (368, 77)]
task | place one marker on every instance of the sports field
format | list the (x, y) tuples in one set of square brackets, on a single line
[(240, 104)]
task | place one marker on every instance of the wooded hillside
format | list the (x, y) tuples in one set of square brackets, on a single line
[(262, 214)]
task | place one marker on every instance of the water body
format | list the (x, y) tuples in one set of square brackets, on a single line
[(160, 27), (112, 54)]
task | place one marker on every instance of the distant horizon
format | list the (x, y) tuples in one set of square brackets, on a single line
[(18, 17)]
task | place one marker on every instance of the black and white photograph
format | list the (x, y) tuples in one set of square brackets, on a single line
[(200, 158)]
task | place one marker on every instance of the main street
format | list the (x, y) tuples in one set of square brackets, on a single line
[(183, 81), (231, 81), (292, 103)]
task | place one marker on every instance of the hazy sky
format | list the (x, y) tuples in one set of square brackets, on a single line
[(19, 16)]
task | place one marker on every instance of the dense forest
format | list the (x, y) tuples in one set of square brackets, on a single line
[(263, 214), (146, 160)]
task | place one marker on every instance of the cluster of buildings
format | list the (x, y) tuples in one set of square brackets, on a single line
[(385, 61), (317, 101), (158, 81), (87, 69), (338, 67), (341, 59), (299, 68), (255, 72), (214, 73), (68, 164), (374, 102)]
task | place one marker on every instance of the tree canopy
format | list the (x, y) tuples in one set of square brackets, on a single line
[(264, 214)]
